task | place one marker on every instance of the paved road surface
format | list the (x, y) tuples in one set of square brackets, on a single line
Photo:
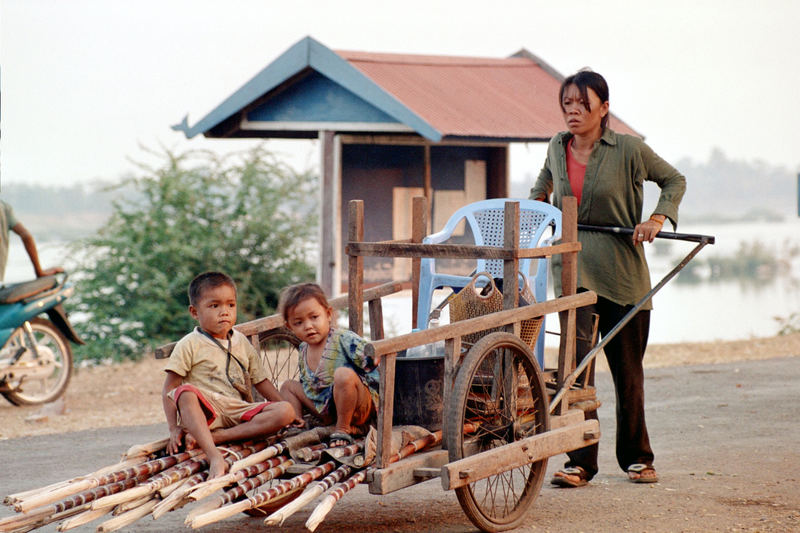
[(726, 437)]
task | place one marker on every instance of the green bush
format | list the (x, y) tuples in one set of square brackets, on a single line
[(245, 214)]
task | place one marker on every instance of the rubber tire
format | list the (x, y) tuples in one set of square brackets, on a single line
[(501, 501), (44, 329)]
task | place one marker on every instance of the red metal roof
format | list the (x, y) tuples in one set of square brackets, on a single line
[(513, 98)]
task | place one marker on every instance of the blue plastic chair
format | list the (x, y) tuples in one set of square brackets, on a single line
[(486, 219)]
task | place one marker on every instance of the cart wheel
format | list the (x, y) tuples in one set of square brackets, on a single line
[(499, 388), (279, 351)]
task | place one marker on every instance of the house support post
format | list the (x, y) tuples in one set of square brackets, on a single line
[(329, 273)]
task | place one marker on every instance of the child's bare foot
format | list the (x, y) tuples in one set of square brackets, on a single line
[(216, 465)]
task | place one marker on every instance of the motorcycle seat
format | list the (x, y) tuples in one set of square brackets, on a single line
[(15, 292)]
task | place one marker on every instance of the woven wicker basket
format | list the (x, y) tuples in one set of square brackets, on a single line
[(473, 301)]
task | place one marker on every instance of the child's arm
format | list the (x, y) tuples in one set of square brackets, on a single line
[(171, 381), (268, 391)]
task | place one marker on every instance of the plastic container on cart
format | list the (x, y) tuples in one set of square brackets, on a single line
[(434, 349), (414, 351), (419, 378)]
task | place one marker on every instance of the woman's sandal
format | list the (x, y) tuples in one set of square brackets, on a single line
[(570, 477), (642, 473)]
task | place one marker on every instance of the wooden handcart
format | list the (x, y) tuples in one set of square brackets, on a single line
[(499, 421), (500, 414)]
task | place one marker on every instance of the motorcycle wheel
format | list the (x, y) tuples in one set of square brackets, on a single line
[(53, 346)]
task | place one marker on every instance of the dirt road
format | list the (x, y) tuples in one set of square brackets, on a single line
[(726, 441)]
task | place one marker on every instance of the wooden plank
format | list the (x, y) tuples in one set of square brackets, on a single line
[(475, 181), (355, 283), (566, 356), (403, 226), (547, 251), (445, 203), (453, 251), (375, 320), (471, 325), (511, 266), (569, 279), (581, 395), (427, 472), (419, 225), (572, 416), (385, 410), (514, 455), (400, 475), (254, 327), (452, 355)]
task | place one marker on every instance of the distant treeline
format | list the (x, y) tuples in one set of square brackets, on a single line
[(728, 189), (45, 200), (61, 212), (719, 190)]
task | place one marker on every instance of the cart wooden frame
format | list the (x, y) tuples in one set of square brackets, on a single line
[(462, 464), (497, 465)]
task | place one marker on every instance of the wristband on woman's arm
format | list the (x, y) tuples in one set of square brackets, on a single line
[(658, 218)]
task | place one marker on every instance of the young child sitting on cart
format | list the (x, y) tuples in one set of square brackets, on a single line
[(338, 383), (206, 392)]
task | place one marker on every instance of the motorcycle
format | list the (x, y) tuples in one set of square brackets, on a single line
[(35, 334)]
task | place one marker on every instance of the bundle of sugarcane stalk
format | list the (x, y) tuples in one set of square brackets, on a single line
[(268, 476)]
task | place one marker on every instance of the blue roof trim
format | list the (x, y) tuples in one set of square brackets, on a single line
[(317, 98), (309, 53)]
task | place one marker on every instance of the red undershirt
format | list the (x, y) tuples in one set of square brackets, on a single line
[(575, 172)]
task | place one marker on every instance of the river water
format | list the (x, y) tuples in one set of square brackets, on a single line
[(705, 311), (728, 309)]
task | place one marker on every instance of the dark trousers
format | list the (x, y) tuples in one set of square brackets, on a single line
[(624, 353)]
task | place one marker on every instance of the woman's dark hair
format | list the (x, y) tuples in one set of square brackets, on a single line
[(208, 280), (583, 80), (292, 296)]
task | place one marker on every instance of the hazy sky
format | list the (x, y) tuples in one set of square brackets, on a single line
[(85, 83)]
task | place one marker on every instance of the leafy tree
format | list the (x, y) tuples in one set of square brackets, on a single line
[(245, 214)]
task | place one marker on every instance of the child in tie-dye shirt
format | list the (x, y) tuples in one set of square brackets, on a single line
[(337, 383)]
